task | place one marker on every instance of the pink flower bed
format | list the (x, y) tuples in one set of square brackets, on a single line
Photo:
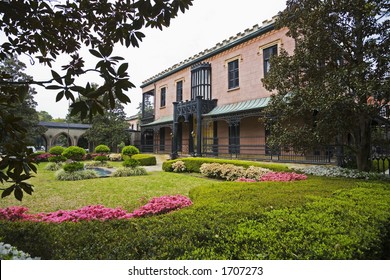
[(282, 177), (276, 177), (159, 205)]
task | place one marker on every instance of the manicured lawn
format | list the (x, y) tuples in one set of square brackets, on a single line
[(126, 192), (318, 218)]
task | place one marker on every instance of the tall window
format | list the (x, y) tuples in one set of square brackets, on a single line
[(148, 105), (267, 54), (163, 97), (233, 74), (179, 91), (201, 81)]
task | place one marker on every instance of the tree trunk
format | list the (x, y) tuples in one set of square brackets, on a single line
[(363, 144)]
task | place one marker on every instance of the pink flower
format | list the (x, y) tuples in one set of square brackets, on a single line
[(161, 205), (282, 176), (158, 205)]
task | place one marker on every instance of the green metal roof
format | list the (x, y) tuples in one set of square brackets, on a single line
[(162, 120), (239, 107)]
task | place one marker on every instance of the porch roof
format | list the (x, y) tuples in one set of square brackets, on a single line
[(239, 107), (162, 120)]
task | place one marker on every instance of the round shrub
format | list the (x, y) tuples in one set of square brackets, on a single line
[(130, 150), (73, 166), (101, 158), (131, 163), (74, 153), (56, 150), (57, 159), (102, 149)]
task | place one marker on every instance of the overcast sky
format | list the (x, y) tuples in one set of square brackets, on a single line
[(205, 24)]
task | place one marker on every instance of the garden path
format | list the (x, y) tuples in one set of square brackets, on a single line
[(158, 167)]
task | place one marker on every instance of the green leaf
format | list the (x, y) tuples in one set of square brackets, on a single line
[(60, 95), (95, 53), (54, 87), (8, 191), (105, 50), (56, 77), (121, 96), (122, 69), (18, 193)]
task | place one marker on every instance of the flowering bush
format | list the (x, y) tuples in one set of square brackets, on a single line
[(14, 213), (42, 157), (157, 205), (255, 173), (227, 172), (88, 213), (335, 171), (115, 157), (282, 177), (178, 166), (161, 205), (8, 252)]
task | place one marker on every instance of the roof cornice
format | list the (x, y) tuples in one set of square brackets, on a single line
[(227, 44)]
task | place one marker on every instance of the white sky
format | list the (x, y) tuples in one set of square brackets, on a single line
[(205, 24)]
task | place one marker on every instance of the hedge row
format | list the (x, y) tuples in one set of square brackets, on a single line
[(350, 224), (145, 160), (194, 164)]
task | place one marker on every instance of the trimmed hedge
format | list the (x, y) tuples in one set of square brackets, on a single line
[(145, 160), (313, 219), (194, 164)]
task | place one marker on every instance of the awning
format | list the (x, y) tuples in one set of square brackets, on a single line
[(248, 105), (160, 121)]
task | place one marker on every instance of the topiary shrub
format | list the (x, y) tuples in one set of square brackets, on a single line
[(145, 160), (74, 153), (101, 158), (102, 149), (73, 166), (130, 151), (56, 150), (57, 159), (131, 163)]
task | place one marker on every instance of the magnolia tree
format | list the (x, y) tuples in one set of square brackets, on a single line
[(44, 30), (332, 88)]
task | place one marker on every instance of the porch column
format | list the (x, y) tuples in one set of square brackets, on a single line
[(174, 153), (199, 126)]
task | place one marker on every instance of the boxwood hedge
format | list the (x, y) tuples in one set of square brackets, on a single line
[(298, 220), (145, 160)]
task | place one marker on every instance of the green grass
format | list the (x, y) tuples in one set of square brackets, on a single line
[(319, 218), (127, 192)]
